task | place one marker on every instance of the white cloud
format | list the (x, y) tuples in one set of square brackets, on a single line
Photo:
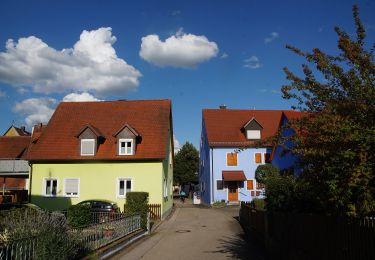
[(180, 50), (252, 63), (176, 145), (224, 55), (75, 97), (91, 65), (273, 36), (36, 110)]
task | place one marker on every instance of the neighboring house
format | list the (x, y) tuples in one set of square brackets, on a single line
[(281, 156), (230, 152), (14, 168), (15, 131), (102, 150)]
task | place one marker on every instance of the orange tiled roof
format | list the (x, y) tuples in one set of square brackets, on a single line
[(13, 147), (224, 126), (151, 118)]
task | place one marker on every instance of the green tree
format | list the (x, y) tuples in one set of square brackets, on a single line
[(335, 141), (186, 165)]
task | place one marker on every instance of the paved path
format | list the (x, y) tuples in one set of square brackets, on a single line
[(196, 233)]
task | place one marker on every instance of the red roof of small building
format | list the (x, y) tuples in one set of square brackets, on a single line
[(151, 118), (225, 126), (14, 147)]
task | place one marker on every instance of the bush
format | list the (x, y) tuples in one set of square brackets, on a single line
[(259, 204), (137, 203), (50, 231), (264, 171), (79, 216)]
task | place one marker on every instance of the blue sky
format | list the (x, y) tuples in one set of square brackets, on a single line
[(200, 54)]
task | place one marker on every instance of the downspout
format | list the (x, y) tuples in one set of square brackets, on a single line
[(30, 180), (212, 175)]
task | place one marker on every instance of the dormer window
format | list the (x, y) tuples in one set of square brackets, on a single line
[(89, 139), (253, 129), (127, 139), (87, 147), (253, 134), (126, 147)]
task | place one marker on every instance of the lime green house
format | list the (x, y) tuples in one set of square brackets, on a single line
[(102, 150)]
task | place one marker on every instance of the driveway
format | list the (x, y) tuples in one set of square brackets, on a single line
[(196, 233)]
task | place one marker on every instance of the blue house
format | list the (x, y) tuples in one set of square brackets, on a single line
[(281, 156), (230, 152)]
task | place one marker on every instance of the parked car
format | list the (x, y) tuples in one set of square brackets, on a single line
[(101, 205), (102, 210)]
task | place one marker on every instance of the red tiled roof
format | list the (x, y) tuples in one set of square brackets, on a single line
[(151, 118), (234, 176), (290, 114), (224, 126), (13, 147)]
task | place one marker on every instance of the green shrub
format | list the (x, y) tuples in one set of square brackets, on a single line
[(265, 171), (137, 203), (48, 229), (259, 204), (79, 216)]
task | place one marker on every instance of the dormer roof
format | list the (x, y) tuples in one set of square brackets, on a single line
[(251, 123), (93, 129), (131, 129)]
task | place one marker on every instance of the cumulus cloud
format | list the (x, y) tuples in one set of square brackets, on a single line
[(180, 50), (273, 36), (36, 110), (252, 63), (91, 65), (75, 97), (176, 145)]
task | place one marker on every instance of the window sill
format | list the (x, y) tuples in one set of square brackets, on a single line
[(71, 196)]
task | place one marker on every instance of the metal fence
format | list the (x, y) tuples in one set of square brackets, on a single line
[(99, 235), (19, 249)]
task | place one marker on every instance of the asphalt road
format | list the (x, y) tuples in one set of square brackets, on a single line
[(196, 233)]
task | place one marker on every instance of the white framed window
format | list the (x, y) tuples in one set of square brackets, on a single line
[(123, 186), (126, 147), (50, 186), (87, 147), (71, 187), (253, 134)]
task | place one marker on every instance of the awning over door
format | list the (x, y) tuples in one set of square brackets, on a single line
[(234, 176)]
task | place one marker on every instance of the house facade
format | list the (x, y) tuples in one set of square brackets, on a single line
[(14, 168), (233, 144), (102, 150)]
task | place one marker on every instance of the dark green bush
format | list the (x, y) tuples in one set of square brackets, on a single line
[(137, 203), (264, 171), (259, 204), (50, 231), (79, 216)]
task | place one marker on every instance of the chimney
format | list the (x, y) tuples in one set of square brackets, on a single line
[(23, 128), (223, 106)]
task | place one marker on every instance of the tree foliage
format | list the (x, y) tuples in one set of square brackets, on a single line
[(264, 171), (186, 165), (335, 142)]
